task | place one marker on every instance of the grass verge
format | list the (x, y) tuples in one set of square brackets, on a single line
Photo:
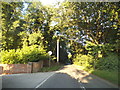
[(51, 68), (111, 76)]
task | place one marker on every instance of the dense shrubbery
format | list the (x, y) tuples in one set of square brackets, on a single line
[(101, 57), (109, 62), (26, 54), (84, 60)]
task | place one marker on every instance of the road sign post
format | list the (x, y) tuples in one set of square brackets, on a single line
[(50, 53)]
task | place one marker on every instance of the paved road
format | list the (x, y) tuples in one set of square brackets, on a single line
[(87, 80), (40, 80), (59, 79), (24, 80)]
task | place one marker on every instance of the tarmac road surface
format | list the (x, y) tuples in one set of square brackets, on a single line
[(39, 80), (56, 79)]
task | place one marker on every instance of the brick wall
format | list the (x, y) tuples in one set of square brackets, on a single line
[(21, 68), (16, 68)]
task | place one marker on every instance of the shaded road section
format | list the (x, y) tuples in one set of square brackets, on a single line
[(24, 80), (69, 76), (87, 80), (39, 80), (60, 80)]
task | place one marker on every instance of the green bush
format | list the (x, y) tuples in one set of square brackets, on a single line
[(84, 60), (109, 62), (9, 57), (26, 54)]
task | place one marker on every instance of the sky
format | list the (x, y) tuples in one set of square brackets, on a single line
[(45, 2), (50, 2)]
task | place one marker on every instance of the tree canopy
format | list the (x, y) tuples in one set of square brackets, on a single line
[(87, 28)]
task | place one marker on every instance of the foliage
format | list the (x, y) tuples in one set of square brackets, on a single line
[(88, 30), (24, 55), (109, 62), (101, 50), (93, 49), (34, 38), (84, 60), (11, 25)]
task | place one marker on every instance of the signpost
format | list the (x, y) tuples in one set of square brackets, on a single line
[(50, 53)]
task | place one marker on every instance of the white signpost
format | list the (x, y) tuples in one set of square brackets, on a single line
[(50, 53)]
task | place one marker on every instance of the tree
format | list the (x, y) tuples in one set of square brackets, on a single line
[(77, 22), (11, 24)]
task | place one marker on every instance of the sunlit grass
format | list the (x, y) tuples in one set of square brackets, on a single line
[(111, 76)]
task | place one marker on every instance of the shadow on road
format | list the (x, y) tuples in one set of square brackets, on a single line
[(86, 79), (61, 80)]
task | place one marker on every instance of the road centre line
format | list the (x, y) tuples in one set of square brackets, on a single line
[(44, 81), (81, 85)]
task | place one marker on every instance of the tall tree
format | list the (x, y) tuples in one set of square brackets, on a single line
[(11, 24)]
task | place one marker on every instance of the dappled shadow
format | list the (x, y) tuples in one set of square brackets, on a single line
[(86, 79), (61, 80)]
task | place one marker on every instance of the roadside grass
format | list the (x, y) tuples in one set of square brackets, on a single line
[(111, 76), (51, 68)]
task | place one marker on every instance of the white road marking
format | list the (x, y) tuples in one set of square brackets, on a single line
[(44, 81), (81, 85)]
